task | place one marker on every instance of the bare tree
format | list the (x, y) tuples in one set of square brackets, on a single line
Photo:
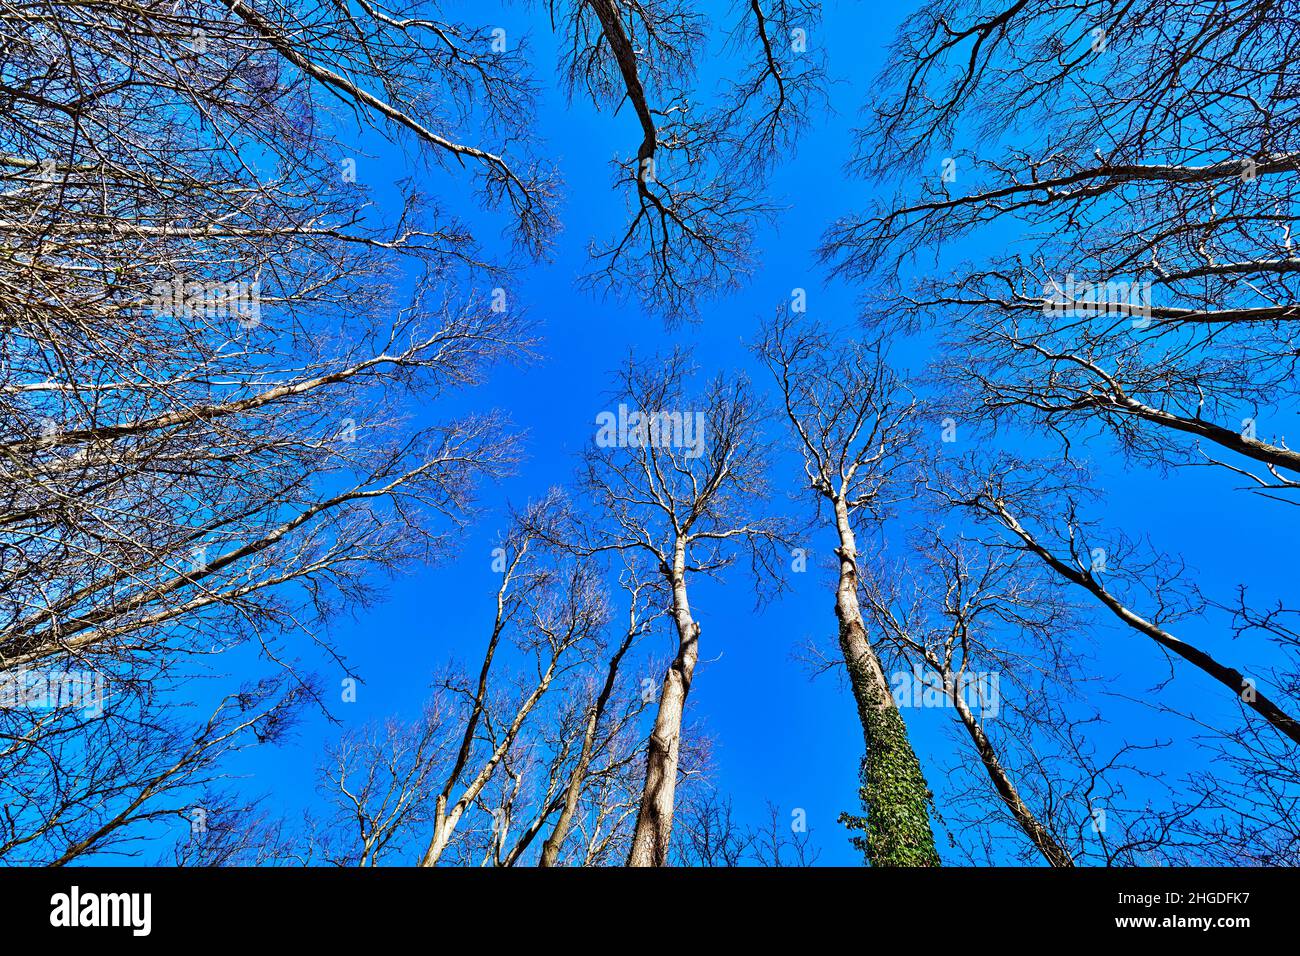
[(494, 764), (208, 349), (853, 425), (640, 618), (695, 183), (712, 836), (379, 781), (784, 842), (110, 553), (581, 750), (240, 832), (1010, 495), (602, 830), (682, 484), (205, 360), (709, 833), (554, 610), (1137, 164), (91, 772), (1242, 810), (948, 620)]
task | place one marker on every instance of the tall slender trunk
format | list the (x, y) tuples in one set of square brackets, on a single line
[(894, 792), (1052, 851), (551, 848), (654, 821)]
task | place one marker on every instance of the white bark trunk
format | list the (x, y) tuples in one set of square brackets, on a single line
[(654, 821)]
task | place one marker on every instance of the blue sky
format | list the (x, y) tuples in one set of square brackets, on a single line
[(808, 757)]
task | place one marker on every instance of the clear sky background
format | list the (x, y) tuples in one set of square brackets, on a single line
[(778, 736)]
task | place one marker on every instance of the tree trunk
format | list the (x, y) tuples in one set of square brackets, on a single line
[(551, 848), (894, 792), (444, 825), (654, 821), (1052, 851)]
